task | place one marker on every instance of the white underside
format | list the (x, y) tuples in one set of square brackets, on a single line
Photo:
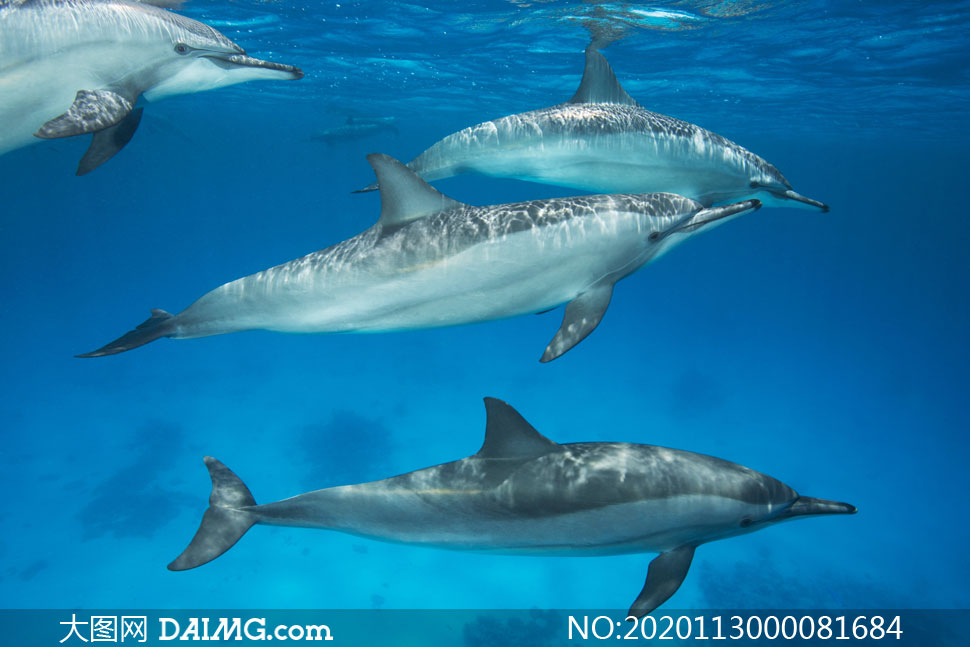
[(35, 91), (618, 164)]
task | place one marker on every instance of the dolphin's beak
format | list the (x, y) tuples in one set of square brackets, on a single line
[(231, 61), (798, 197), (706, 217), (805, 506)]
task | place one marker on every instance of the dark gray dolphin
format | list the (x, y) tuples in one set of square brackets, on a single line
[(75, 67), (431, 261), (522, 493), (603, 141)]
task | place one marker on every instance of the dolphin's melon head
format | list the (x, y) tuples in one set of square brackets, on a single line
[(777, 191), (194, 57)]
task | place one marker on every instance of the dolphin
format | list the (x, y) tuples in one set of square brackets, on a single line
[(522, 493), (603, 141), (432, 261), (74, 67), (356, 128)]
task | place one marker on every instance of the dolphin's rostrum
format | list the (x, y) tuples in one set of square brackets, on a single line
[(522, 493), (75, 67), (432, 261), (603, 141)]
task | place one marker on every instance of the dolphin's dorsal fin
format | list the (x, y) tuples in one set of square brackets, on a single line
[(599, 84), (509, 435), (404, 195)]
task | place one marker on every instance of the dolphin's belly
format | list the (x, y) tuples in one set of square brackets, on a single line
[(463, 521), (504, 276), (615, 163), (30, 95)]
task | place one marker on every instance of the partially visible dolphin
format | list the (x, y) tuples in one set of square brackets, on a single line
[(603, 141), (525, 494), (74, 67), (431, 261), (356, 128)]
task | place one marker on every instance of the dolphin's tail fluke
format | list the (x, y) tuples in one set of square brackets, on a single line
[(224, 522), (160, 324), (370, 187)]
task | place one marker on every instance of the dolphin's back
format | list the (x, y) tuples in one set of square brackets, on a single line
[(590, 475), (39, 28)]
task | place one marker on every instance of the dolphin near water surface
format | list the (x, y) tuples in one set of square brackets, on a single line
[(522, 493), (603, 141), (75, 67), (431, 261)]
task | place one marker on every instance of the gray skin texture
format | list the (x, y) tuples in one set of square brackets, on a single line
[(525, 494), (74, 67), (431, 261), (603, 141)]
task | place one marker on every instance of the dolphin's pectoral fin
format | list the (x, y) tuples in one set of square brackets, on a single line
[(665, 575), (582, 315), (92, 110), (106, 143)]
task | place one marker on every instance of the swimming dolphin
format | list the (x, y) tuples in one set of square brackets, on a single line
[(73, 67), (525, 494), (356, 128), (431, 261), (603, 141)]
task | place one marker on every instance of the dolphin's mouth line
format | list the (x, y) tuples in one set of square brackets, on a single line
[(719, 213), (230, 61)]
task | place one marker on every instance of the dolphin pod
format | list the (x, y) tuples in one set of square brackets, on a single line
[(75, 67), (522, 493), (603, 141), (432, 261)]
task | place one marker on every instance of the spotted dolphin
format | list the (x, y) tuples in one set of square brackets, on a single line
[(522, 493), (603, 141), (75, 67), (431, 261)]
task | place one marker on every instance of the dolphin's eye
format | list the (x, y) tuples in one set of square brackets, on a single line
[(654, 237), (181, 48), (746, 522)]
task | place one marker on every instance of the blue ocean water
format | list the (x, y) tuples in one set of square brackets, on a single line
[(828, 350)]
